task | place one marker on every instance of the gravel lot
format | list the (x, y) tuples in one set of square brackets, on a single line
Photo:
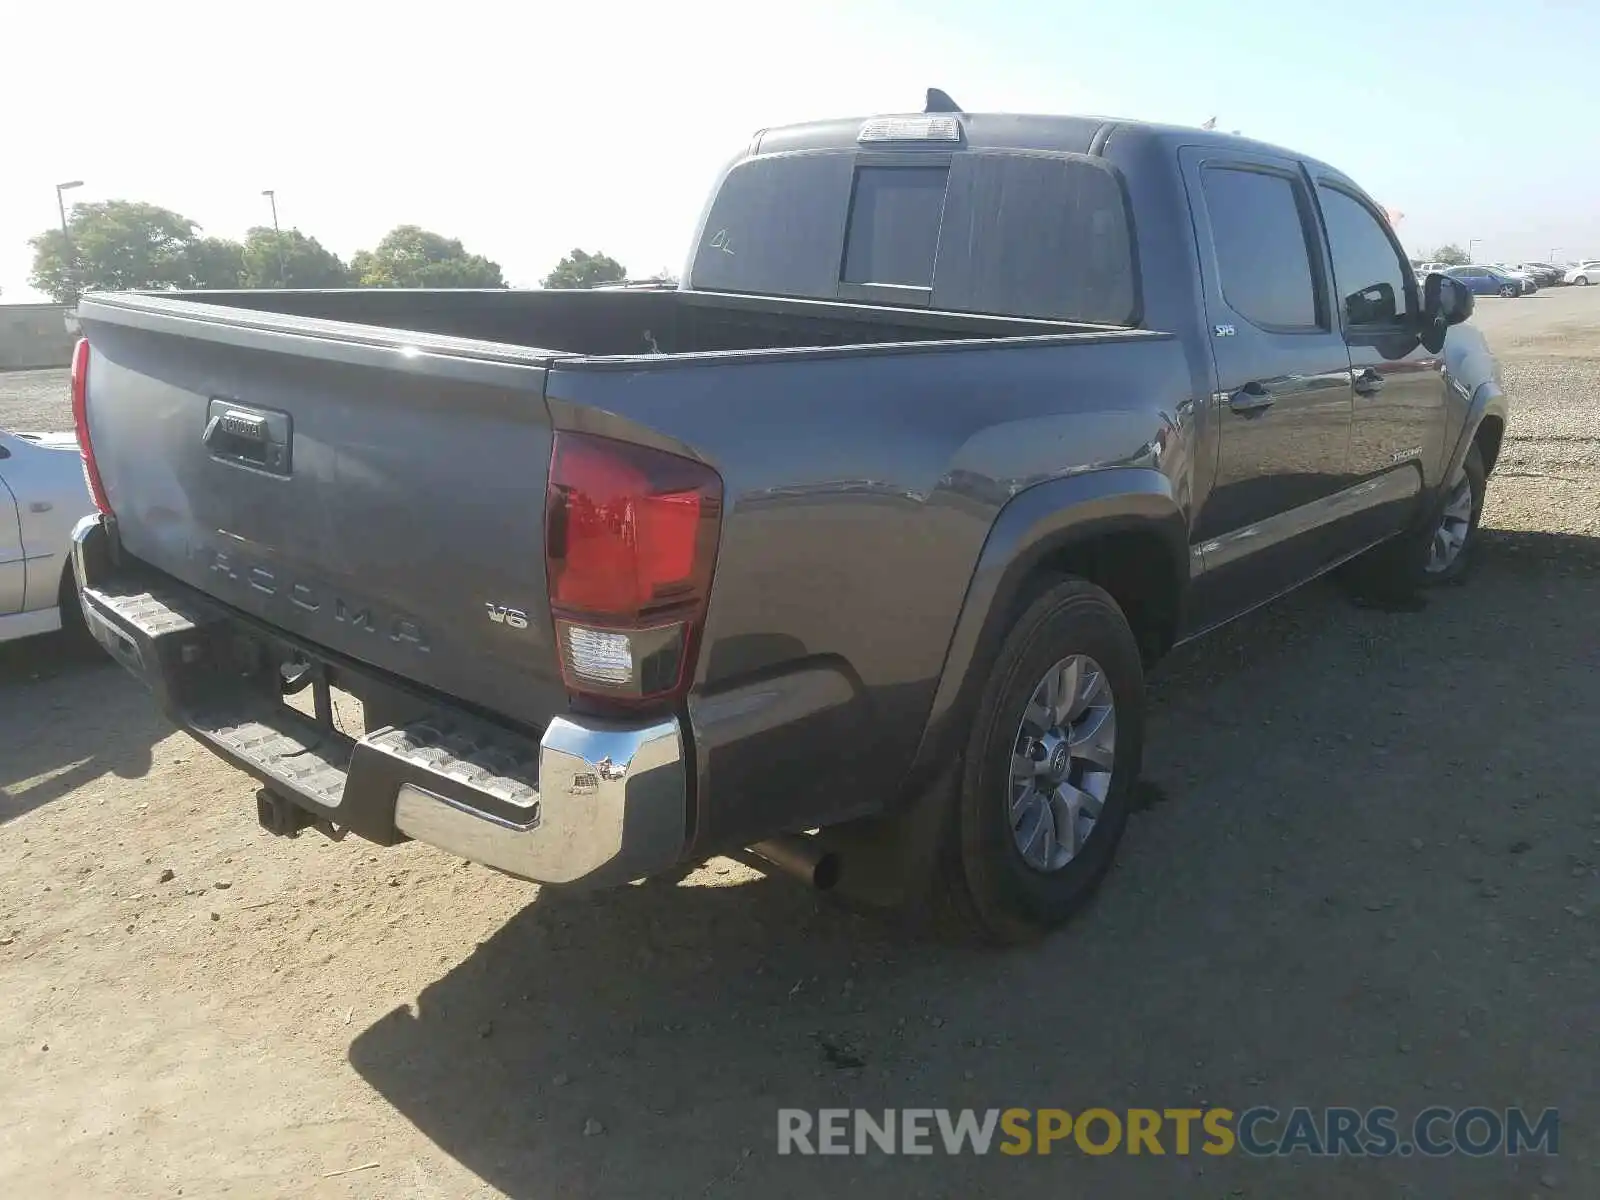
[(33, 401), (1373, 880)]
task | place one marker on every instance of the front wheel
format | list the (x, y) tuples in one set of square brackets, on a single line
[(1448, 556), (1436, 554), (1508, 291), (1582, 281), (1049, 768)]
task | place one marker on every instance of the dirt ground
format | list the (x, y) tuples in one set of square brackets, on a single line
[(1373, 881)]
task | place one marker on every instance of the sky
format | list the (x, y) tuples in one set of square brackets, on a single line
[(526, 129)]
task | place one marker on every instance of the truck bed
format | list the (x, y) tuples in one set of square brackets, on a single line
[(389, 489), (553, 324)]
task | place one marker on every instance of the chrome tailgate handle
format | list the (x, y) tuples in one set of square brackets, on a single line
[(248, 437)]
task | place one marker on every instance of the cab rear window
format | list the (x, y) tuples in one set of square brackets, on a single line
[(1039, 235), (893, 234)]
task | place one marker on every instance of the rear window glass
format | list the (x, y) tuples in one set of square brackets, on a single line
[(1036, 235), (894, 225), (1013, 234), (776, 227)]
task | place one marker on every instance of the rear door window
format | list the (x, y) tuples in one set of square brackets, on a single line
[(1258, 233)]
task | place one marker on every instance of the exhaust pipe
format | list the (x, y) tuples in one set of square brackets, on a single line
[(801, 856)]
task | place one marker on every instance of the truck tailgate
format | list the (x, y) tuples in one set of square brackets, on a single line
[(384, 502)]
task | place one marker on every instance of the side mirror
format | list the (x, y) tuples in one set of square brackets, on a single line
[(1446, 301)]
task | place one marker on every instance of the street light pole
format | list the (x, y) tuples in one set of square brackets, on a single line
[(1552, 259), (1471, 242), (69, 258), (277, 237)]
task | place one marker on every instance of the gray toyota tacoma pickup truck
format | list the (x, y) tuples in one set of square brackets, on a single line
[(851, 552)]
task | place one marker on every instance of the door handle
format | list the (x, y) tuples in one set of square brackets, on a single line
[(1251, 400), (1368, 382)]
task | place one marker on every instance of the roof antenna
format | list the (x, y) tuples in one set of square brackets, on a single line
[(940, 102)]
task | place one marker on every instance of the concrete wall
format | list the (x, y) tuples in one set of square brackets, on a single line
[(34, 335)]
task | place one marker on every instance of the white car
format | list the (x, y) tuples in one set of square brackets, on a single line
[(1584, 273), (42, 496)]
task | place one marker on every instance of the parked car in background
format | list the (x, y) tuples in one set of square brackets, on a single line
[(1546, 274), (1583, 273), (42, 495), (1525, 281), (1486, 281)]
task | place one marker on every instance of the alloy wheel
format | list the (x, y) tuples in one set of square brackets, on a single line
[(1455, 523), (1062, 762)]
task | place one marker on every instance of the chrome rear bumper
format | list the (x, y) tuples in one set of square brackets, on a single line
[(592, 801), (609, 808)]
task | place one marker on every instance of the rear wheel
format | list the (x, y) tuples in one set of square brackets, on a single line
[(1049, 769)]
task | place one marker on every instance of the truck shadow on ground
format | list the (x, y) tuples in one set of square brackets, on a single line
[(1361, 802), (68, 714)]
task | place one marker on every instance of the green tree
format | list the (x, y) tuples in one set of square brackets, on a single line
[(410, 256), (1451, 255), (290, 259), (116, 245), (580, 269), (216, 263)]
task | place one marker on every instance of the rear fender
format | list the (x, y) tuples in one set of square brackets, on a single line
[(1034, 528)]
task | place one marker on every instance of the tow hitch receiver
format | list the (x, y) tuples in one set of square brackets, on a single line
[(280, 815)]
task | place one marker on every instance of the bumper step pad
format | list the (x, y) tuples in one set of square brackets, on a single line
[(616, 793), (172, 641)]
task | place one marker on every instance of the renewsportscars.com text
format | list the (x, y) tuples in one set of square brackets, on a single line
[(1260, 1131)]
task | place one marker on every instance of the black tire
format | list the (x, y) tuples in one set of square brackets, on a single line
[(1582, 281), (984, 889), (1509, 292), (1399, 567), (74, 629), (1458, 570)]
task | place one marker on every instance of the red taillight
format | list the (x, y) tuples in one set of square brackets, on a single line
[(630, 540), (80, 418)]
